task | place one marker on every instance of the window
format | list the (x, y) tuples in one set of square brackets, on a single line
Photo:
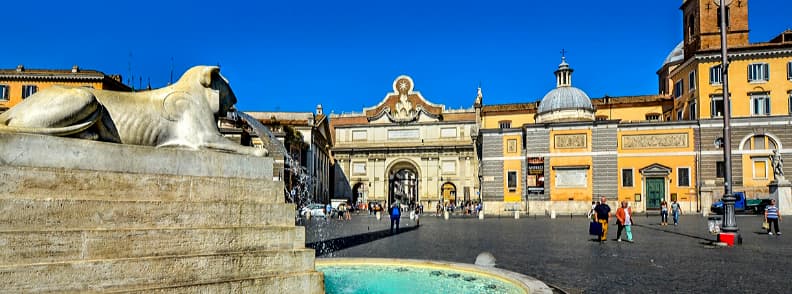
[(511, 145), (758, 72), (627, 177), (692, 113), (720, 169), (601, 117), (511, 180), (683, 177), (716, 107), (3, 92), (790, 103), (680, 114), (653, 116), (728, 17), (760, 104), (715, 75), (760, 168), (28, 90), (759, 142), (789, 70), (692, 81), (505, 124), (678, 88)]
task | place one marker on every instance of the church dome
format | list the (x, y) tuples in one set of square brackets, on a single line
[(565, 102), (675, 55), (565, 98)]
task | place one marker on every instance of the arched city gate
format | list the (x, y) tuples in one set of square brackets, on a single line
[(403, 183)]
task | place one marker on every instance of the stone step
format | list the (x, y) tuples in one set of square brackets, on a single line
[(58, 214), (39, 183), (304, 283), (22, 247), (152, 272)]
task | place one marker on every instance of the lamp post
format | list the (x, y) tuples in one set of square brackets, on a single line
[(729, 221)]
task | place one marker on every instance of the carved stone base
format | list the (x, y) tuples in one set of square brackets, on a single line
[(81, 216), (781, 191)]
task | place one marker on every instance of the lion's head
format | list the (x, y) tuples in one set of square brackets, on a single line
[(217, 91)]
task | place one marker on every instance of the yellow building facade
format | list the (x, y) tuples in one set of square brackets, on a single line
[(19, 83), (650, 148)]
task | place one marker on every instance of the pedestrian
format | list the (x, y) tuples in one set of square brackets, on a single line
[(590, 214), (676, 210), (328, 211), (602, 215), (663, 213), (348, 214), (624, 221), (772, 218), (417, 217), (395, 215), (341, 211)]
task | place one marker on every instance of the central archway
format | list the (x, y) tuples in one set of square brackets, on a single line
[(403, 184)]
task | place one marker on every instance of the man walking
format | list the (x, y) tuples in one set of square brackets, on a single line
[(395, 215), (602, 212)]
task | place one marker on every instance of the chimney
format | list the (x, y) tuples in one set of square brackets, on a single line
[(75, 69), (318, 109), (20, 68)]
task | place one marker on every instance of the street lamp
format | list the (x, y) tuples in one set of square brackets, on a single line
[(729, 221)]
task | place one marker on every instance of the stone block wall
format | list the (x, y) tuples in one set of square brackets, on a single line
[(80, 216)]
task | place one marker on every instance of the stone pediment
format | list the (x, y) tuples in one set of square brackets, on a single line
[(404, 105), (656, 169)]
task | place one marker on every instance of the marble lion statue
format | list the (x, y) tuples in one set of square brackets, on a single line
[(180, 115)]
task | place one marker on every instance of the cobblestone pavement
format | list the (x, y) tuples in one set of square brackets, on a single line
[(560, 252)]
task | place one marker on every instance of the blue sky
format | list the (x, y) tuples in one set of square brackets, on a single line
[(292, 55)]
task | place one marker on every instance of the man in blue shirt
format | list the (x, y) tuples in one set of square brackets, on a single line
[(395, 215)]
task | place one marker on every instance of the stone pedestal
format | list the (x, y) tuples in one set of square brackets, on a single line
[(80, 216), (781, 191)]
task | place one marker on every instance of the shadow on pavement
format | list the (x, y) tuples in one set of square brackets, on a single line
[(676, 233), (328, 246)]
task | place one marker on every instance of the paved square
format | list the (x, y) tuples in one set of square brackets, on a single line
[(561, 253)]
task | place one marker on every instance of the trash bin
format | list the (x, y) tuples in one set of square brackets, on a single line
[(714, 223)]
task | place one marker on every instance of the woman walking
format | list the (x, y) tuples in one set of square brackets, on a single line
[(663, 213), (624, 221), (772, 217)]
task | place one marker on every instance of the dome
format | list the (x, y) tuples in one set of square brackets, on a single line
[(676, 55), (565, 98)]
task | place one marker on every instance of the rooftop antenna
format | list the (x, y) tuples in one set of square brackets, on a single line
[(170, 82), (140, 82), (149, 83), (131, 79)]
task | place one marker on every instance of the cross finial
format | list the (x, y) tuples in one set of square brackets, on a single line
[(563, 54)]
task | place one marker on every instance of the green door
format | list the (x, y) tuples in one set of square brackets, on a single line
[(655, 192)]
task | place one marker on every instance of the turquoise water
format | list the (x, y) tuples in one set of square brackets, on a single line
[(393, 279)]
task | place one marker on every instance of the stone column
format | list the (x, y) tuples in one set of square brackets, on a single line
[(707, 197)]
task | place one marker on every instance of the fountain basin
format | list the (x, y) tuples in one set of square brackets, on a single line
[(382, 275)]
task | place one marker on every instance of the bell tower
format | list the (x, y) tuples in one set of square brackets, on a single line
[(701, 24)]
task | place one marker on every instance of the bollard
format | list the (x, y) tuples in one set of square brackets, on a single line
[(552, 214), (516, 214), (445, 214), (379, 215), (481, 214)]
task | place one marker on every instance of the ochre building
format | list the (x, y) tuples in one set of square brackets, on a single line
[(559, 154), (19, 83)]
